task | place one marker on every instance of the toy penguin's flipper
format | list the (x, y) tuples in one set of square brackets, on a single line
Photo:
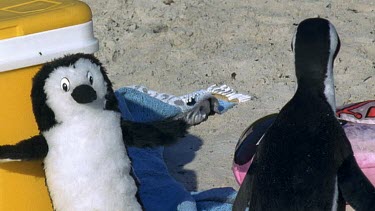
[(153, 134), (249, 140), (355, 187), (30, 149)]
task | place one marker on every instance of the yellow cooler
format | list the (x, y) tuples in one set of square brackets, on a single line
[(32, 32)]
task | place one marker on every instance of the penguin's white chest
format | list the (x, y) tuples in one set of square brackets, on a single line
[(87, 166)]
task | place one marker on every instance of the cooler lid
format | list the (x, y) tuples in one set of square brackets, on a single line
[(35, 32), (23, 17)]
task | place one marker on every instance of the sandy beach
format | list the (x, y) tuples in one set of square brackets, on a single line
[(180, 46)]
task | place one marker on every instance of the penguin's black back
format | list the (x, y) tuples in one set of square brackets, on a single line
[(298, 158)]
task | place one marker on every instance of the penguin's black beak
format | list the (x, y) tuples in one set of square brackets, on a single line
[(84, 94)]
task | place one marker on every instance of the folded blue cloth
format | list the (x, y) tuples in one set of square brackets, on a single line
[(218, 199), (140, 107), (137, 103), (159, 190)]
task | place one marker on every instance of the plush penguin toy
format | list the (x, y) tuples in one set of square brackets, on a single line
[(304, 160), (83, 138)]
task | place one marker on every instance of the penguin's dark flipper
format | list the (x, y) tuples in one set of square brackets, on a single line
[(242, 201), (356, 189), (153, 134), (30, 149), (250, 138)]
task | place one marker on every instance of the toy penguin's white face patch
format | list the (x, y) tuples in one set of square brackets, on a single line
[(62, 82)]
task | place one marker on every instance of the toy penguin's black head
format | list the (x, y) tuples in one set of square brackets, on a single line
[(69, 85), (315, 45)]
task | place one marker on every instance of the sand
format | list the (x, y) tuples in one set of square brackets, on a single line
[(179, 46)]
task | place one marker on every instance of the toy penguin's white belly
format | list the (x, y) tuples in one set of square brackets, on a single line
[(87, 167)]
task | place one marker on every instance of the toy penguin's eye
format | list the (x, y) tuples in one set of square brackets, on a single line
[(65, 84), (90, 78)]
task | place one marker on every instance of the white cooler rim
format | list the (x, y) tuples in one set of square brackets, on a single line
[(42, 47)]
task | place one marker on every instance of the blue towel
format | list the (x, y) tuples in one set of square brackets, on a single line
[(159, 190)]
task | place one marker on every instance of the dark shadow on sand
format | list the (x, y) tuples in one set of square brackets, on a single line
[(180, 154)]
